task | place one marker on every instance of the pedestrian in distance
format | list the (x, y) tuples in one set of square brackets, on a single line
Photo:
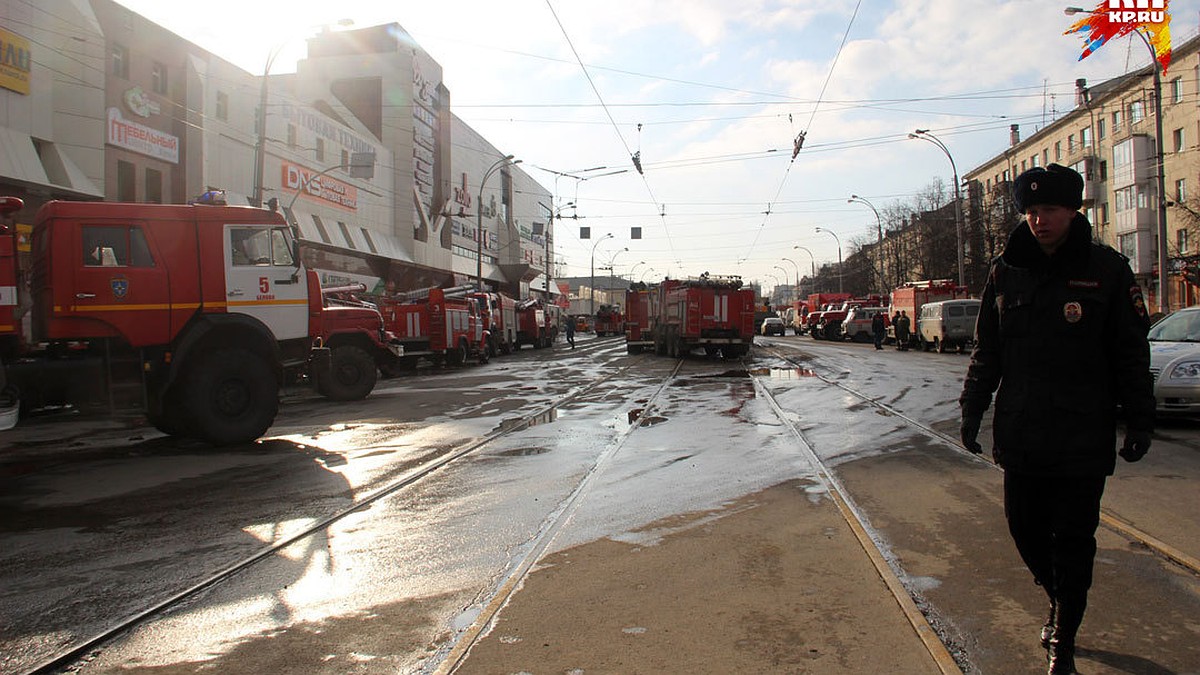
[(571, 331), (902, 331), (878, 329), (1061, 341)]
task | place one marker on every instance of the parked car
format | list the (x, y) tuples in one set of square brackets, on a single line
[(772, 325), (1175, 362), (949, 324), (857, 324)]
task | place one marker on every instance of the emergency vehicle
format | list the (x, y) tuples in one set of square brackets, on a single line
[(499, 320), (608, 321), (194, 314), (710, 312), (913, 295), (638, 335), (443, 325), (532, 326)]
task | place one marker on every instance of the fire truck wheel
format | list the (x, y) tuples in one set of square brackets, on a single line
[(351, 377), (231, 396)]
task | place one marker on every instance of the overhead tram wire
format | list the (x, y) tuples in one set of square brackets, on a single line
[(800, 139), (615, 126)]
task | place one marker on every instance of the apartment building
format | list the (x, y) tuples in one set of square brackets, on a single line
[(1109, 137)]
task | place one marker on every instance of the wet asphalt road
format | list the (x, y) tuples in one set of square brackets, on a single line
[(101, 519)]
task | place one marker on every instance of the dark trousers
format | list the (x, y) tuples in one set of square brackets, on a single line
[(1053, 520), (879, 340)]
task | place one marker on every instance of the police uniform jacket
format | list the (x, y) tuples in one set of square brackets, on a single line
[(1063, 339)]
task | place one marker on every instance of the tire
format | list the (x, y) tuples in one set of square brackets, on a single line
[(352, 375), (231, 396), (458, 355)]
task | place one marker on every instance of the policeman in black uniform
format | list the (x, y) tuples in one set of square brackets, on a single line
[(1061, 339)]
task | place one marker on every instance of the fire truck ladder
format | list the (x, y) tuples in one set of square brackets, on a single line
[(423, 293), (125, 379)]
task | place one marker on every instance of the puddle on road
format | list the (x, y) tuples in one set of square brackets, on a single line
[(523, 452), (783, 373), (636, 414), (544, 417)]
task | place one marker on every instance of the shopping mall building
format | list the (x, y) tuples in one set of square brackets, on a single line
[(358, 147)]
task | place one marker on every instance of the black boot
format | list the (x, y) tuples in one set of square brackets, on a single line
[(1062, 657), (1048, 627)]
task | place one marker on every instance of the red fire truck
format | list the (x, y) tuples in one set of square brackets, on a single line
[(637, 319), (912, 295), (532, 325), (608, 320), (499, 320), (193, 313), (712, 312), (442, 325)]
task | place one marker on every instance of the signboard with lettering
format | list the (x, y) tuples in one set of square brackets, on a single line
[(15, 61), (326, 189), (130, 135)]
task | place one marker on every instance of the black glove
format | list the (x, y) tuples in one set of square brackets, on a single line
[(1136, 444), (969, 431)]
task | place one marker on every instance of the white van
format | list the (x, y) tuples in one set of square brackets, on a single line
[(857, 324), (949, 324)]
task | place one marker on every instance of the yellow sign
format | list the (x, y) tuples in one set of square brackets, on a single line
[(14, 62)]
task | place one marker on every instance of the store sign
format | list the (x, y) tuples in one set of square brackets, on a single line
[(15, 61), (130, 135), (324, 188)]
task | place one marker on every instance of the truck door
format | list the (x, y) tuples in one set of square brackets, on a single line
[(119, 282), (264, 280)]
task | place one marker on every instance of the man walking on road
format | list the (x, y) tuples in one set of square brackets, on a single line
[(878, 329), (571, 331), (1061, 335)]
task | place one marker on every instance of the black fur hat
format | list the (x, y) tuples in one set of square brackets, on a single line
[(1055, 184)]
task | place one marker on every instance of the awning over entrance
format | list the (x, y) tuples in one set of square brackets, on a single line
[(21, 163), (520, 272)]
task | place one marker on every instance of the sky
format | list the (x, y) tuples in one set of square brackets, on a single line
[(712, 95)]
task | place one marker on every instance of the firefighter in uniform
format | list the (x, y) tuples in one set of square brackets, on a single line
[(1061, 340)]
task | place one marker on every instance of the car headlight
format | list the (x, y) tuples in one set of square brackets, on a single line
[(1185, 370)]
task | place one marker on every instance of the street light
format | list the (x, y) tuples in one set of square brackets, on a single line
[(479, 218), (645, 274), (1163, 304), (634, 268), (879, 232), (839, 245), (796, 290), (812, 261), (924, 135), (781, 269), (592, 284), (546, 235), (612, 273)]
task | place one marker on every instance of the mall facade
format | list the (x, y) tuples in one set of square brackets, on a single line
[(358, 148)]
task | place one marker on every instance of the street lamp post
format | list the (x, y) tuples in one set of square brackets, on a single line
[(1164, 305), (924, 135), (839, 245), (612, 273), (645, 274), (592, 284), (546, 235), (634, 268), (796, 289), (781, 269), (479, 218), (879, 234), (812, 263)]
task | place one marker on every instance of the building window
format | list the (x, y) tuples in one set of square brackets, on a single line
[(1177, 90), (154, 186), (1070, 143), (1127, 244), (1116, 120), (291, 136), (1103, 172), (126, 182), (345, 159), (222, 106), (1136, 112), (1046, 156), (158, 78), (120, 61), (1085, 137), (1181, 190), (320, 149), (1123, 199), (1122, 155), (1104, 213), (1181, 240), (1100, 129), (1177, 139), (1033, 161), (1057, 150)]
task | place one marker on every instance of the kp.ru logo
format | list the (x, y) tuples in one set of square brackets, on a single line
[(1117, 18)]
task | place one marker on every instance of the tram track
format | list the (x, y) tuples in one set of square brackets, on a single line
[(541, 414), (1108, 518)]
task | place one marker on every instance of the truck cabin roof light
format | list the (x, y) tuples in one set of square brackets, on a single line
[(9, 205), (212, 197)]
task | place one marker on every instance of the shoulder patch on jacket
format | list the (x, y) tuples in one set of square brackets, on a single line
[(1139, 302)]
